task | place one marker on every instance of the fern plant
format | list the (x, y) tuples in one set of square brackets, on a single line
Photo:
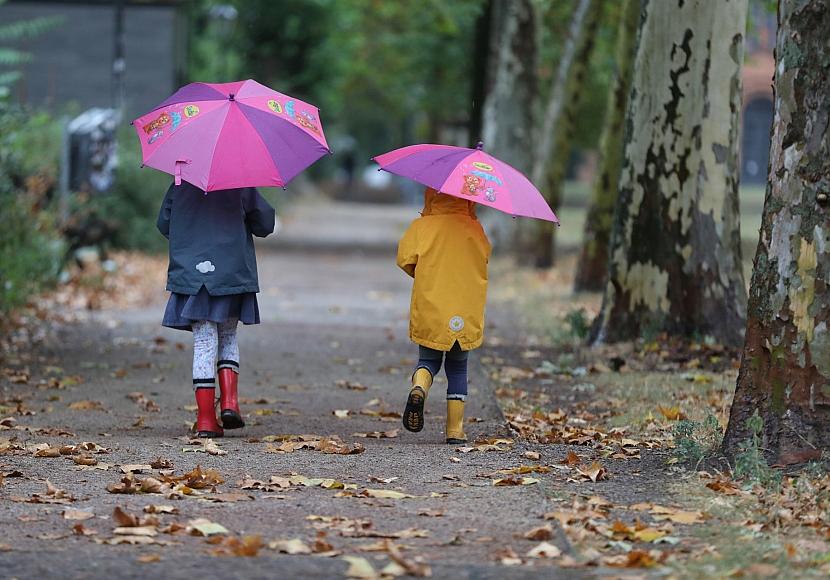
[(11, 59)]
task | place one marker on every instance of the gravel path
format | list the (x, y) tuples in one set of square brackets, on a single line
[(334, 337)]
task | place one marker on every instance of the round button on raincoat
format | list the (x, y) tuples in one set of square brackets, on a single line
[(446, 251)]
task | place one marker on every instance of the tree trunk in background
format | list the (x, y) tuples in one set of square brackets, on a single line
[(675, 256), (508, 109), (508, 118), (593, 262), (785, 369), (483, 57), (551, 159)]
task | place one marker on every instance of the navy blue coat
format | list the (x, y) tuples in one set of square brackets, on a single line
[(211, 241)]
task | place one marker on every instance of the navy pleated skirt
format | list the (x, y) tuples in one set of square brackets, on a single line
[(183, 309)]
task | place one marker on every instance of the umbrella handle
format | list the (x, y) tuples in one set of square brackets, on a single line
[(177, 172)]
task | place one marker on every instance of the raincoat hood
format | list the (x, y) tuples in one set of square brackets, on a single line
[(436, 203)]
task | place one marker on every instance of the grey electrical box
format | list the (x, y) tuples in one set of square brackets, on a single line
[(93, 150)]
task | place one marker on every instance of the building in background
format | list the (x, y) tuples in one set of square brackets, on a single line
[(104, 53)]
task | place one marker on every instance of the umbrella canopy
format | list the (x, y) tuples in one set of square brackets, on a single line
[(469, 174), (229, 135)]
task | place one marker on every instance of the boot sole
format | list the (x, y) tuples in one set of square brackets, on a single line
[(453, 441), (413, 415), (231, 420), (209, 434)]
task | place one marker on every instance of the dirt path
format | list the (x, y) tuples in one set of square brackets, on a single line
[(333, 338)]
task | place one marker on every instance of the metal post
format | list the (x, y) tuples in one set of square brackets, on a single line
[(63, 184), (119, 63)]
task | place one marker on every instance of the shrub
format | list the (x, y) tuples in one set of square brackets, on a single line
[(30, 246)]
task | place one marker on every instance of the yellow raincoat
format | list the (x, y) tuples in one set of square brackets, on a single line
[(446, 251)]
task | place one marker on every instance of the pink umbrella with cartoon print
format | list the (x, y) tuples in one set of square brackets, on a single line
[(469, 174), (230, 135)]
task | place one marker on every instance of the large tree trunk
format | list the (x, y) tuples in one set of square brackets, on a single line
[(785, 369), (508, 109), (508, 117), (551, 159), (593, 262), (675, 256)]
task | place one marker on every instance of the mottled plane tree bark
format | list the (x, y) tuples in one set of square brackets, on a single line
[(593, 262), (785, 368), (675, 258)]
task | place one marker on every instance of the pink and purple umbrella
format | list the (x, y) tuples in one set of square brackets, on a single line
[(469, 174), (229, 135)]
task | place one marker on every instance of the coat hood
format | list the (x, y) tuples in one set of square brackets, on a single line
[(436, 203)]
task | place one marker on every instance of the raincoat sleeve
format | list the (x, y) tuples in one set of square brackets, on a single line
[(408, 251), (259, 215), (163, 221)]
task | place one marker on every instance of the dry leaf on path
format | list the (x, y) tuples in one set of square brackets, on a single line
[(204, 446), (87, 406), (539, 534), (70, 514), (379, 434), (385, 494), (544, 550), (247, 546), (411, 567), (595, 472), (359, 568), (512, 481), (294, 546), (205, 527)]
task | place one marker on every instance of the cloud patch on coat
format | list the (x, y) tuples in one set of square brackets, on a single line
[(205, 267)]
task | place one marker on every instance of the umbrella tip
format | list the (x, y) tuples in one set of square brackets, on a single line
[(231, 97), (480, 145)]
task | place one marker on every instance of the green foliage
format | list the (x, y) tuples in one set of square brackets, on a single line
[(579, 323), (12, 58), (132, 205), (30, 248), (695, 440), (750, 463)]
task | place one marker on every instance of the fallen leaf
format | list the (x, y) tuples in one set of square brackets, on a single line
[(595, 472), (532, 455), (544, 550), (359, 568), (385, 494), (247, 546), (70, 514), (541, 533), (341, 413), (87, 406), (124, 519), (204, 527), (294, 546)]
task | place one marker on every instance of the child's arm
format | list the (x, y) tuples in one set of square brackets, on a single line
[(163, 221), (408, 251), (259, 215)]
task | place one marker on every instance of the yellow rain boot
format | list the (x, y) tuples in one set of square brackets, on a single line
[(455, 422), (413, 415)]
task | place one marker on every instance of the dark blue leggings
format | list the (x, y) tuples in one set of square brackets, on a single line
[(455, 367)]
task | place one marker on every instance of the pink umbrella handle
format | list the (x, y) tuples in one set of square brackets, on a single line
[(177, 173)]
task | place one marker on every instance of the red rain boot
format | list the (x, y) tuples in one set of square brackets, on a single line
[(229, 399), (206, 423)]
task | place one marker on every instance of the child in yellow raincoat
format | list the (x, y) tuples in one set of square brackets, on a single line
[(446, 251)]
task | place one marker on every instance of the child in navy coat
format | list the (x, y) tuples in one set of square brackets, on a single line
[(213, 282)]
